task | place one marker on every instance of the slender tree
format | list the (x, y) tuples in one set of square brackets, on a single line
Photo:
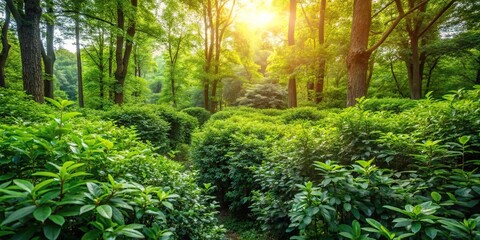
[(5, 47), (322, 61), (359, 52), (124, 46), (27, 16), (48, 55), (292, 82)]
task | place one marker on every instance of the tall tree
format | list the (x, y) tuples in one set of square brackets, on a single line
[(81, 102), (322, 61), (124, 45), (359, 52), (48, 56), (5, 47), (292, 82), (417, 25), (27, 16), (217, 17)]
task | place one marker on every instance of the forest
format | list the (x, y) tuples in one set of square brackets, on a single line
[(240, 119)]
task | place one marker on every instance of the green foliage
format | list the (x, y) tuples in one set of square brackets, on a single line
[(149, 126), (17, 107), (264, 96), (77, 178), (419, 148), (199, 113), (395, 105), (225, 152)]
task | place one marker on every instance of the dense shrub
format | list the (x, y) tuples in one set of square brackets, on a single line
[(225, 152), (420, 149), (95, 180), (18, 107), (395, 105), (264, 96), (181, 125), (149, 126), (303, 114), (199, 113)]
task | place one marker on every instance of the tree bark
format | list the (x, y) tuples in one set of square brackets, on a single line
[(292, 82), (79, 64), (322, 63), (358, 55), (28, 29), (49, 55), (5, 47), (123, 57)]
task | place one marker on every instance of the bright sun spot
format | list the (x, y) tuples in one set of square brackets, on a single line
[(260, 19), (255, 15)]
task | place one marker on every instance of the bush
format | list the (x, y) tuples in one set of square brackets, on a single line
[(199, 113), (113, 185), (182, 125), (303, 114), (225, 151), (264, 96), (395, 105), (17, 107), (149, 126)]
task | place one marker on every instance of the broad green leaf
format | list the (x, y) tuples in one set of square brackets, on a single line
[(86, 208), (167, 205), (436, 196), (51, 231), (131, 233), (42, 184), (92, 234), (69, 115), (431, 232), (20, 213), (105, 211), (42, 213), (23, 184), (416, 226), (60, 220), (46, 174)]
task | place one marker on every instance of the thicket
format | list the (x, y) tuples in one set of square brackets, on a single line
[(384, 169), (74, 177)]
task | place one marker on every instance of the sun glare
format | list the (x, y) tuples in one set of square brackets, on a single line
[(255, 15)]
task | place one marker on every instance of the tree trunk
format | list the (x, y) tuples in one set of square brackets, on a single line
[(292, 82), (28, 28), (49, 56), (123, 57), (415, 80), (358, 55), (322, 63), (5, 47), (79, 64)]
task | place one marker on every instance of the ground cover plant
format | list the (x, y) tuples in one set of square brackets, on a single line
[(69, 177), (386, 169)]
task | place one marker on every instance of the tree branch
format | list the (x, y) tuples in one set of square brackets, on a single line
[(393, 26), (439, 14), (383, 8)]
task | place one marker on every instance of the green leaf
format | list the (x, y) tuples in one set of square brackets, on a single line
[(42, 184), (51, 231), (416, 226), (42, 213), (86, 208), (105, 211), (436, 196), (347, 207), (23, 184), (431, 232), (20, 213), (131, 233), (168, 205), (92, 234), (46, 174), (463, 139), (69, 115), (60, 220)]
